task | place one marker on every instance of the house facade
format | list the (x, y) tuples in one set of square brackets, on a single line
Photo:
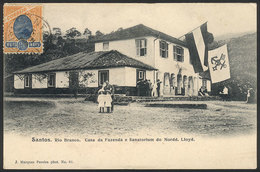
[(167, 54), (81, 71), (123, 58)]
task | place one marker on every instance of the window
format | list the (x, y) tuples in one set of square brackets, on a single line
[(163, 49), (106, 46), (178, 53), (27, 81), (103, 76), (51, 80), (141, 47), (140, 75)]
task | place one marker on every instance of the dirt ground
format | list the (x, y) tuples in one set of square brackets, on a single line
[(28, 116)]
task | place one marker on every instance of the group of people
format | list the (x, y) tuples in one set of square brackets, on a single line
[(105, 98), (146, 88)]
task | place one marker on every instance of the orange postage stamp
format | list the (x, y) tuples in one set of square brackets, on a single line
[(23, 29)]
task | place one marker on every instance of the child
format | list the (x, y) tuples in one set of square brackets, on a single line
[(101, 100), (108, 101)]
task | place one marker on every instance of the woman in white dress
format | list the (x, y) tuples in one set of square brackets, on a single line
[(108, 101), (101, 100)]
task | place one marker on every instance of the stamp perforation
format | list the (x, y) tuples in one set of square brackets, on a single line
[(30, 14)]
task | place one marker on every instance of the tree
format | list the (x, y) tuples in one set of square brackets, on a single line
[(72, 33), (99, 34), (56, 31), (87, 33)]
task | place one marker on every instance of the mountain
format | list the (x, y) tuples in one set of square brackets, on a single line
[(242, 51), (243, 56), (228, 36)]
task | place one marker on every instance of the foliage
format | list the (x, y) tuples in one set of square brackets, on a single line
[(87, 31), (40, 76), (72, 33), (86, 78), (54, 47), (99, 34)]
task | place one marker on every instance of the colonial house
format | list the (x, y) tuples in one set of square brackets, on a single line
[(123, 58)]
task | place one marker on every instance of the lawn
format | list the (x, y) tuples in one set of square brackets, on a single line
[(48, 116)]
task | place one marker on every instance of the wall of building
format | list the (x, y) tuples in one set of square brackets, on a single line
[(128, 47), (19, 81), (153, 58), (122, 76), (130, 76), (62, 80), (117, 76), (196, 86), (92, 80), (169, 64), (150, 76), (39, 81)]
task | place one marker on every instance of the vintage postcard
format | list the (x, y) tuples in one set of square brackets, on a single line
[(130, 86)]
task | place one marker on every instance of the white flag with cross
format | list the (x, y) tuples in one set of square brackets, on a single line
[(219, 64)]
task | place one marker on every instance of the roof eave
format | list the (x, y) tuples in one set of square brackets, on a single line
[(88, 68)]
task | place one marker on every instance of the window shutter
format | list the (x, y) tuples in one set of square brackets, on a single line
[(160, 48), (174, 53), (145, 46), (30, 80), (166, 49), (182, 54), (54, 80), (137, 43), (142, 41)]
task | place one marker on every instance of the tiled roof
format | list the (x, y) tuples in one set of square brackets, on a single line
[(138, 31), (92, 60)]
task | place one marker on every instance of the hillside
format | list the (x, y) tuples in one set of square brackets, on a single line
[(243, 56), (228, 36), (243, 64)]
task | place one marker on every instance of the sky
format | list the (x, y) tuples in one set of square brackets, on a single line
[(174, 19)]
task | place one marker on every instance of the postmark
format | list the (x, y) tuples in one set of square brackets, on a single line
[(23, 29)]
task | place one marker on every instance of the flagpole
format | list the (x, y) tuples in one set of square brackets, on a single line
[(193, 30)]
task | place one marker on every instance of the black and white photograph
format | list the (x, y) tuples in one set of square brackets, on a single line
[(130, 85)]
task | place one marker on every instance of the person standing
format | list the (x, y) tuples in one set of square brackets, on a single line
[(158, 87), (154, 90), (248, 95), (225, 93), (108, 101), (110, 88), (150, 87), (101, 100)]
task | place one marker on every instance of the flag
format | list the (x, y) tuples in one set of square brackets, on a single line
[(219, 64), (197, 42)]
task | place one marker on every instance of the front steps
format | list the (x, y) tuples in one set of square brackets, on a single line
[(176, 98), (178, 105)]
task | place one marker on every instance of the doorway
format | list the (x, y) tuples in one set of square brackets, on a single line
[(103, 76)]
